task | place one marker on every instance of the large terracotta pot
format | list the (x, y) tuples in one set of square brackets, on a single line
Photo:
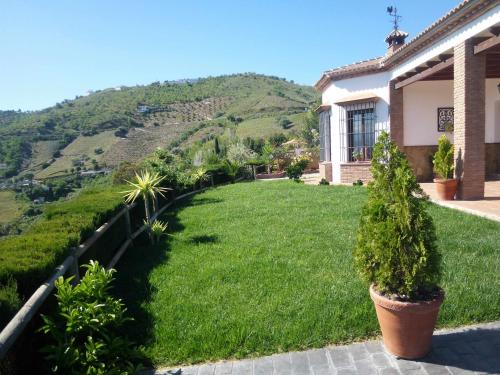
[(407, 327), (446, 189)]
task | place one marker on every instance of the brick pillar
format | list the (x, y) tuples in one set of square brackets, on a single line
[(469, 103), (396, 114)]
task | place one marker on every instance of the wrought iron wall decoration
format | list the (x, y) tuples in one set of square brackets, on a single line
[(445, 119)]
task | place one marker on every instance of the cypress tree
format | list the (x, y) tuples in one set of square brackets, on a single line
[(396, 242)]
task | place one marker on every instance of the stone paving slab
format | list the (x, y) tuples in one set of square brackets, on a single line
[(468, 350)]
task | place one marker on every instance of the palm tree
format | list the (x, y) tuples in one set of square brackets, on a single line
[(146, 185)]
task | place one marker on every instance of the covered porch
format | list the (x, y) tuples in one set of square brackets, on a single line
[(458, 85)]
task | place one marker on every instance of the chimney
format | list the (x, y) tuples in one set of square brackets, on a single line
[(395, 40), (396, 37)]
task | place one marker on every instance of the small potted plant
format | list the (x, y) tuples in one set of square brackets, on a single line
[(446, 185), (396, 253), (357, 155)]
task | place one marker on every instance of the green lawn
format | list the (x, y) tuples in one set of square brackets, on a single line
[(263, 267)]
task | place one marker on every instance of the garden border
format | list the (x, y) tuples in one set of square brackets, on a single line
[(26, 313)]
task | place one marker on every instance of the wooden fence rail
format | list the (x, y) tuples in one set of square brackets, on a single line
[(18, 323)]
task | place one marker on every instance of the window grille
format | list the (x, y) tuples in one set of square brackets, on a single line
[(324, 136), (359, 130)]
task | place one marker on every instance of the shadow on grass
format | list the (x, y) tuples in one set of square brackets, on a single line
[(134, 269)]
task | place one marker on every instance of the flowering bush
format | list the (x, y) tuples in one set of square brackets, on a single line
[(297, 167)]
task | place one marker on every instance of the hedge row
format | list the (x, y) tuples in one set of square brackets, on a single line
[(26, 260)]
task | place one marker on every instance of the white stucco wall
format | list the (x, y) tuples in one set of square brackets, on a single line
[(374, 83), (421, 101)]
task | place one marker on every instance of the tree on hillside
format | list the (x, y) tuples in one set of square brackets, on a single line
[(284, 122)]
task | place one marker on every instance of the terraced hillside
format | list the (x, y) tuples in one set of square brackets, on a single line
[(127, 123)]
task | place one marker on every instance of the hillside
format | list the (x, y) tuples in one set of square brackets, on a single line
[(127, 123)]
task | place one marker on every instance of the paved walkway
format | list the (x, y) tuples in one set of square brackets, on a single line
[(488, 207), (468, 350)]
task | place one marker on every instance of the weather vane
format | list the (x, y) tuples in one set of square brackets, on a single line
[(393, 12)]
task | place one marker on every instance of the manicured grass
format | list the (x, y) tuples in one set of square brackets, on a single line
[(12, 209), (258, 268)]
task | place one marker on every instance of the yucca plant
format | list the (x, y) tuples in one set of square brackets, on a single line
[(199, 176), (147, 186), (232, 170), (157, 229)]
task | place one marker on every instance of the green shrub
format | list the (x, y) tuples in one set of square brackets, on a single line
[(284, 122), (444, 158), (357, 183), (9, 301), (323, 181), (86, 329), (295, 170), (396, 242), (30, 257)]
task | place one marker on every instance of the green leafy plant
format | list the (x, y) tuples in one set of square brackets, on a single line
[(86, 330), (357, 155), (323, 181), (444, 158), (357, 183), (396, 242)]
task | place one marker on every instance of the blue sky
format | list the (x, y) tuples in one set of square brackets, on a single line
[(54, 50)]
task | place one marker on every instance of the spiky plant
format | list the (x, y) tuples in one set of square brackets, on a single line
[(157, 229), (147, 186), (232, 170), (199, 176)]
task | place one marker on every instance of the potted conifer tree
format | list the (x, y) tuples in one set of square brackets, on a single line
[(396, 253), (446, 185)]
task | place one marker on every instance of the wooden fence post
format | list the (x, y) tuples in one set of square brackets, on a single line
[(74, 268), (128, 225)]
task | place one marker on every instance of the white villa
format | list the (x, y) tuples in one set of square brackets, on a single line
[(445, 80)]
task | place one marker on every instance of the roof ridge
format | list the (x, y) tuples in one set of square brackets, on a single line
[(379, 58), (440, 20)]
